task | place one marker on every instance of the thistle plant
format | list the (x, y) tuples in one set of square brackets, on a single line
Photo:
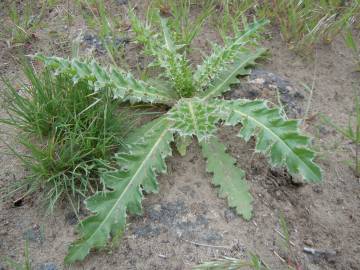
[(195, 110)]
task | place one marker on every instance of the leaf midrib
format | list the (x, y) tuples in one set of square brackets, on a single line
[(232, 74), (279, 139), (193, 117), (159, 96), (130, 184)]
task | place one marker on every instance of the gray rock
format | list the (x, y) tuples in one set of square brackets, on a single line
[(166, 213), (169, 217), (262, 80), (47, 266), (211, 236), (94, 41), (122, 2), (148, 230), (33, 235), (229, 215)]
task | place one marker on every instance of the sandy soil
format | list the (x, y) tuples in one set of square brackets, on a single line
[(187, 210)]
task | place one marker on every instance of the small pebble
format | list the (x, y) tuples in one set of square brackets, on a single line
[(309, 242), (323, 130), (317, 189), (298, 95), (71, 218), (297, 180), (278, 193), (339, 201)]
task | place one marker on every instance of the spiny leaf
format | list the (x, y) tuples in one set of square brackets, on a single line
[(218, 61), (177, 67), (169, 44), (139, 166), (229, 75), (144, 35), (277, 137), (123, 86), (194, 117), (229, 178)]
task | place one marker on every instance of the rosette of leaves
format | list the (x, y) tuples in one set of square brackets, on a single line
[(196, 110)]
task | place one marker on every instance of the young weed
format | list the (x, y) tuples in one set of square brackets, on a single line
[(287, 246), (24, 20), (26, 265), (180, 21), (78, 129), (254, 263), (99, 19), (304, 23), (233, 15), (353, 46)]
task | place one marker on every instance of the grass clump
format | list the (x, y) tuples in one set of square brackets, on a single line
[(78, 130), (304, 23), (22, 21)]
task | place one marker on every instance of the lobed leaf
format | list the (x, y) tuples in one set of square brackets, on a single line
[(229, 178), (176, 66), (228, 76), (218, 61), (147, 149), (278, 138), (123, 86)]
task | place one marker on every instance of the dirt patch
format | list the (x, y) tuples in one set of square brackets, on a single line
[(187, 223)]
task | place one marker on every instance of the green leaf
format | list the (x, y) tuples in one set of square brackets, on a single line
[(182, 143), (143, 34), (229, 75), (229, 178), (169, 44), (176, 66), (195, 117), (148, 148), (278, 138), (123, 86), (218, 61)]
